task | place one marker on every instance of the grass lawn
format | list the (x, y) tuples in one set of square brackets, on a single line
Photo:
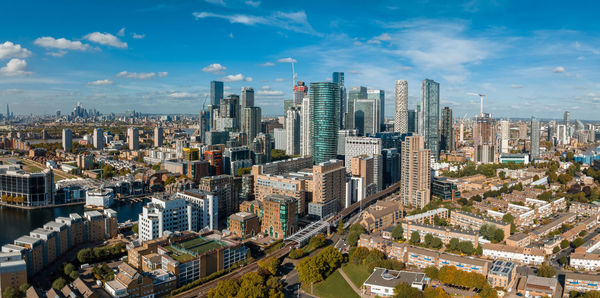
[(357, 273), (334, 286)]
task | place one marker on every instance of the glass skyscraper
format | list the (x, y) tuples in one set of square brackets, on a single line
[(535, 138), (429, 116), (379, 96), (354, 94), (216, 93), (447, 130), (338, 77), (325, 99), (365, 116)]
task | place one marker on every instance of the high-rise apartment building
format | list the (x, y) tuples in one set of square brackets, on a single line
[(325, 98), (359, 146), (366, 116), (158, 136), (484, 134), (247, 97), (293, 127), (535, 139), (67, 139), (306, 128), (338, 77), (222, 187), (98, 138), (379, 96), (412, 121), (447, 130), (329, 182), (251, 117), (566, 118), (504, 136), (300, 92), (401, 111), (354, 94), (562, 135), (415, 174), (133, 138), (216, 93), (429, 116), (342, 135)]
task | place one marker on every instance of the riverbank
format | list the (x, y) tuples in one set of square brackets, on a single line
[(41, 207)]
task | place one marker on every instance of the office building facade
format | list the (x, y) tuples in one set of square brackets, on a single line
[(401, 111), (429, 115), (325, 99), (447, 131)]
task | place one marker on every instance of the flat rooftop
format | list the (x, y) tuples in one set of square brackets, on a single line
[(189, 249)]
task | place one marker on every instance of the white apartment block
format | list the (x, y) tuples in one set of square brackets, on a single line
[(587, 262), (516, 254)]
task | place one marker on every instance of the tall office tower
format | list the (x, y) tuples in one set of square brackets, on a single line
[(158, 136), (261, 148), (216, 93), (391, 166), (447, 130), (7, 112), (67, 139), (566, 118), (551, 131), (329, 179), (229, 110), (300, 92), (324, 97), (306, 133), (484, 139), (429, 116), (203, 124), (251, 117), (98, 137), (133, 138), (379, 96), (342, 135), (504, 136), (293, 125), (247, 97), (415, 173), (401, 112), (412, 121), (338, 77), (366, 113), (354, 94), (562, 137), (357, 146), (535, 138)]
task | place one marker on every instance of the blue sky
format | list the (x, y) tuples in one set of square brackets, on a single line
[(530, 58)]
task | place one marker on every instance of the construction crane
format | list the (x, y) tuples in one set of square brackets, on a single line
[(481, 96)]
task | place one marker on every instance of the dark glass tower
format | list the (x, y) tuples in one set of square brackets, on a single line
[(325, 97)]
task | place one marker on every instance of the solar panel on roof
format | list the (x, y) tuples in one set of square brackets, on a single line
[(505, 270)]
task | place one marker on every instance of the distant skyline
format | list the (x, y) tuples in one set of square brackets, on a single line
[(160, 56)]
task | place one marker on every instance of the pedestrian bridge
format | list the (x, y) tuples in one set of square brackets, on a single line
[(303, 236)]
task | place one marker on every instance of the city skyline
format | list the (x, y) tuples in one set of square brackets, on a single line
[(527, 63)]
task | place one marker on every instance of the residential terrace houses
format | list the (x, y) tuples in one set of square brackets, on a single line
[(474, 222), (428, 216), (581, 282), (444, 233), (590, 210), (554, 225), (523, 255)]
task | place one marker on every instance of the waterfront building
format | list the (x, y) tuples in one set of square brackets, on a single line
[(20, 188), (101, 197)]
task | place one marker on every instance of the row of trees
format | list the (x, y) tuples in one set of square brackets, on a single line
[(452, 276), (251, 284), (11, 292), (374, 258), (313, 244), (99, 254), (318, 268), (454, 245), (403, 290)]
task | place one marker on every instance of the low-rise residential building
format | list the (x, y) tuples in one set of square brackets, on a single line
[(444, 233), (535, 286), (381, 215), (474, 222), (243, 224), (586, 225), (586, 209), (581, 282), (421, 257), (554, 224), (129, 282), (583, 261), (468, 264), (383, 281), (502, 274), (518, 240), (523, 255), (428, 216)]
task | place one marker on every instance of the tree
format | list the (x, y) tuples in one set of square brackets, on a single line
[(415, 238), (577, 242), (403, 290), (135, 228), (226, 288), (466, 247), (9, 292), (358, 228), (564, 178), (359, 254), (85, 255), (59, 283), (432, 272), (68, 268), (296, 253), (479, 250), (428, 240), (556, 249), (453, 244), (270, 265), (74, 275), (545, 270), (352, 238), (340, 227), (23, 288), (435, 293), (398, 232), (243, 171), (502, 175), (436, 243), (563, 260), (564, 244), (251, 285), (317, 241)]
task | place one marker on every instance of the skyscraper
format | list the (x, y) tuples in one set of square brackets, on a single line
[(133, 138), (306, 129), (447, 130), (300, 91), (329, 181), (158, 136), (251, 117), (338, 77), (7, 112), (566, 118), (415, 172), (401, 111), (67, 139), (379, 96), (354, 94), (292, 134), (366, 114), (98, 138), (412, 121), (429, 115), (216, 93), (325, 97), (247, 97), (535, 138), (504, 136), (484, 134)]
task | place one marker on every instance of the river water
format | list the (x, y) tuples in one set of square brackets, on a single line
[(15, 223)]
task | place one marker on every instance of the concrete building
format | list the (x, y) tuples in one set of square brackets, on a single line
[(535, 138), (415, 172), (13, 270), (357, 146), (445, 234), (67, 139), (382, 215), (484, 137), (447, 131), (251, 117), (428, 216), (522, 255), (101, 197), (306, 128), (243, 225), (329, 182), (382, 282), (158, 136), (401, 111), (474, 222), (292, 131), (133, 138), (502, 274), (221, 187), (98, 138), (581, 282)]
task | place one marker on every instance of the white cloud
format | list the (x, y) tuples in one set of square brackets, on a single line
[(516, 86), (253, 3), (57, 53), (49, 42), (138, 36), (121, 32), (216, 2), (231, 35), (378, 39), (293, 21), (269, 92), (558, 69), (237, 78), (106, 39), (287, 60), (141, 75), (214, 68), (182, 95), (101, 82), (11, 50), (162, 74), (268, 64), (404, 68), (279, 80), (15, 67)]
